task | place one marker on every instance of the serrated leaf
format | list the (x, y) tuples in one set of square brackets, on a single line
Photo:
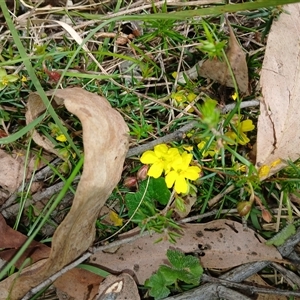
[(157, 284), (176, 258), (188, 277), (168, 273), (282, 236)]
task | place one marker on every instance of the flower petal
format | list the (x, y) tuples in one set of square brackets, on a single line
[(186, 159), (192, 173), (148, 157), (155, 170), (243, 139), (232, 136), (161, 150), (247, 125), (170, 178), (181, 185)]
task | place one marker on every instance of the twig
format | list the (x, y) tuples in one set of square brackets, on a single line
[(292, 278), (244, 104), (250, 288), (218, 197), (174, 136), (208, 214)]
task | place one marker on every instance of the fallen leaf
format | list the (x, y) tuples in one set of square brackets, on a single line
[(188, 202), (278, 129), (220, 244), (118, 287), (10, 242), (78, 284), (218, 70), (102, 170), (11, 172)]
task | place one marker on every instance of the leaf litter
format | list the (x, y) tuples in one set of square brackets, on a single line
[(220, 244), (278, 129), (76, 233)]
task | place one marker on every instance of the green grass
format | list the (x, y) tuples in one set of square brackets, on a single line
[(167, 44)]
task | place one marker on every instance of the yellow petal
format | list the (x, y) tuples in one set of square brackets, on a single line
[(115, 218), (155, 170), (192, 173), (243, 139), (247, 125), (148, 157), (234, 96), (170, 178), (264, 171), (232, 136), (61, 138), (276, 163), (161, 150), (181, 185)]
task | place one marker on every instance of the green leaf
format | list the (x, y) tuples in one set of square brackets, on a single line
[(157, 285), (158, 190), (282, 236), (2, 72), (176, 258), (169, 274)]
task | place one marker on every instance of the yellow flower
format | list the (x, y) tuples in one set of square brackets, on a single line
[(240, 137), (211, 151), (61, 138), (181, 171), (188, 148), (234, 96), (23, 79), (160, 159), (179, 96), (263, 171), (115, 218)]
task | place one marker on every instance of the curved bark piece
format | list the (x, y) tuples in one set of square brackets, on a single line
[(105, 138)]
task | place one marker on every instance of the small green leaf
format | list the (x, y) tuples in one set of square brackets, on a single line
[(157, 285), (158, 190), (282, 236), (2, 72), (169, 274), (176, 258)]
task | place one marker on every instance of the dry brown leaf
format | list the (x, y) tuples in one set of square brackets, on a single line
[(218, 70), (221, 244), (118, 287), (278, 126), (10, 242), (11, 172), (105, 139), (189, 201), (78, 284)]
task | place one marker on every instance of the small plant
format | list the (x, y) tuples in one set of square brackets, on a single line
[(210, 46), (184, 268), (5, 79)]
